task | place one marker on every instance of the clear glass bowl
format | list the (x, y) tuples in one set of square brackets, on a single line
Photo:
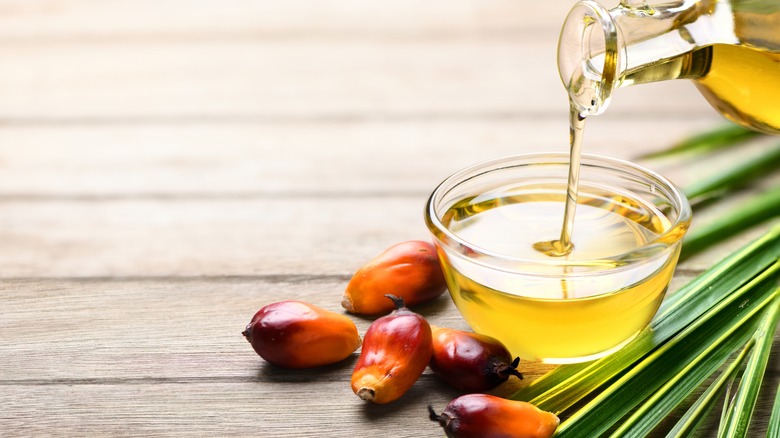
[(557, 309)]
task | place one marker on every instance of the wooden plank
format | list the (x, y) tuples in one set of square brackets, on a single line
[(287, 409), (311, 408), (246, 159), (165, 356), (279, 81), (167, 329), (314, 407), (264, 236), (95, 60), (255, 236), (96, 19)]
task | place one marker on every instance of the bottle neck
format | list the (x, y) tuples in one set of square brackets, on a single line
[(600, 50), (589, 54)]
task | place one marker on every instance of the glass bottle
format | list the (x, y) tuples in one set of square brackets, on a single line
[(729, 49)]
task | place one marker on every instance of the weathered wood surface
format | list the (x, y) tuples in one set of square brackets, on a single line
[(168, 167)]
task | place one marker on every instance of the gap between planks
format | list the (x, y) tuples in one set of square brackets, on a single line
[(267, 278)]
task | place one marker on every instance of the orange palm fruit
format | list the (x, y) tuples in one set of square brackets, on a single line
[(396, 349), (409, 270), (296, 334), (469, 361), (488, 416)]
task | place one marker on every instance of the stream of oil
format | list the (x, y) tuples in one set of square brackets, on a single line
[(563, 246)]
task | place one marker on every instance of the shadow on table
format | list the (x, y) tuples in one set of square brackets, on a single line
[(335, 372)]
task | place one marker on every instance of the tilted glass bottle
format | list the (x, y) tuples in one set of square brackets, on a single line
[(729, 49)]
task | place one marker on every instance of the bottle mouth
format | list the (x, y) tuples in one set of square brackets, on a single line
[(589, 56)]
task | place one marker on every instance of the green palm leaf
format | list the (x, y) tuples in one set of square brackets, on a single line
[(720, 137), (706, 336), (754, 211), (566, 385), (739, 413), (773, 431), (698, 366), (696, 414), (733, 177)]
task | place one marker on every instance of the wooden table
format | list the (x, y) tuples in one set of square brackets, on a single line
[(169, 167)]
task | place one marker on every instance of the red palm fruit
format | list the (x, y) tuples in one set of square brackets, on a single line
[(295, 334), (469, 361), (396, 349), (488, 416), (409, 270)]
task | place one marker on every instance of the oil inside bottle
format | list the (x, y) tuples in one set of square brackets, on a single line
[(739, 81)]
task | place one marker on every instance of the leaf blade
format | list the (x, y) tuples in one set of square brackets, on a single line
[(733, 177), (720, 137), (756, 210), (694, 416), (773, 430), (567, 384), (698, 367), (614, 402), (741, 411)]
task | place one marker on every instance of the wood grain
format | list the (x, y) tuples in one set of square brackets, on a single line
[(238, 158), (167, 167), (196, 19), (256, 236), (278, 81), (165, 356)]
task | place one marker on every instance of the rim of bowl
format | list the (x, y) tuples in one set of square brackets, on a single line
[(658, 244)]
